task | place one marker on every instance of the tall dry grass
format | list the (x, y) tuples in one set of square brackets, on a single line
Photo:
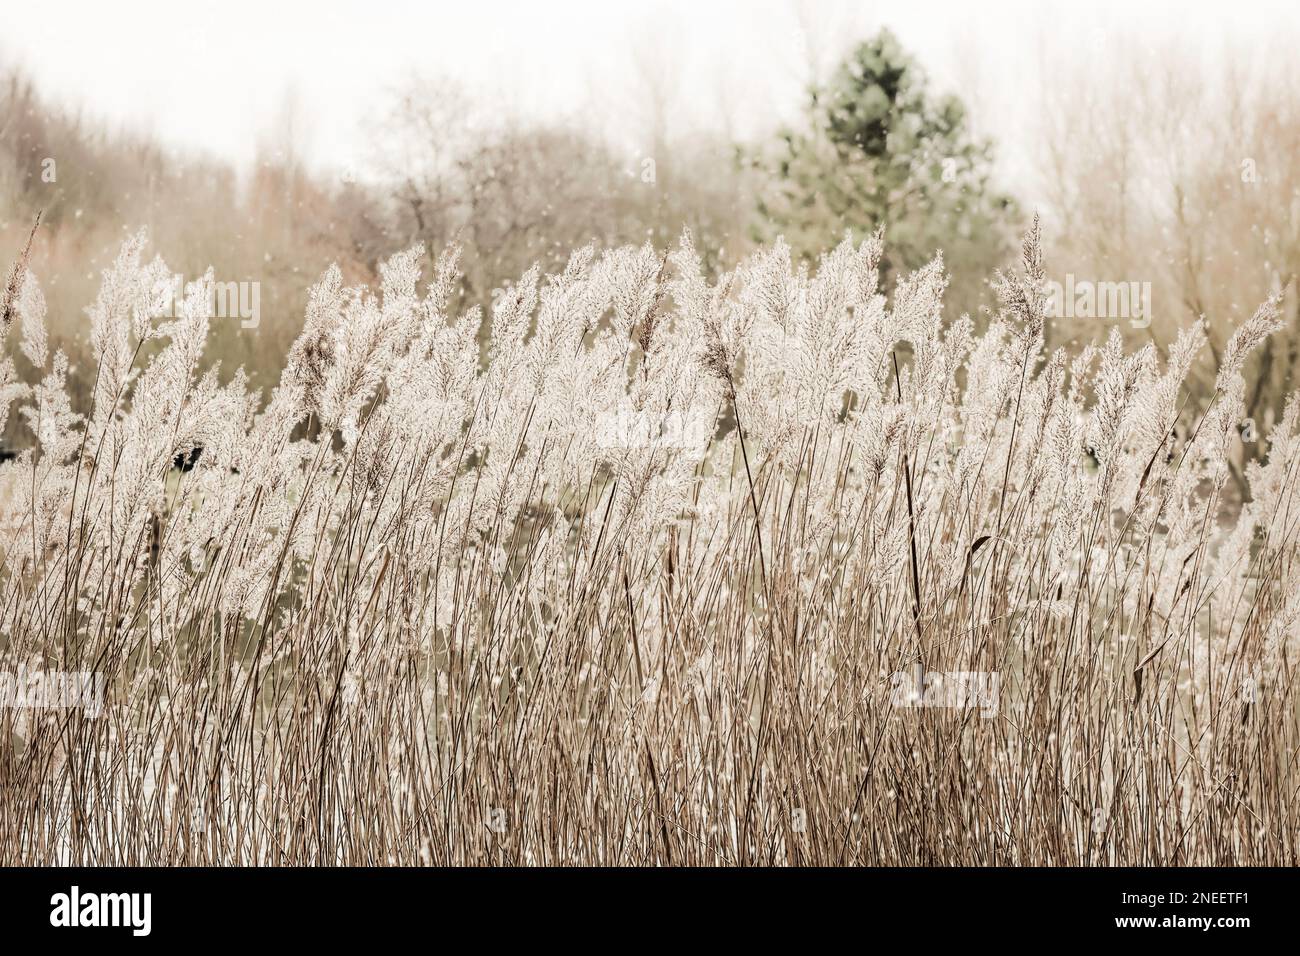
[(640, 591)]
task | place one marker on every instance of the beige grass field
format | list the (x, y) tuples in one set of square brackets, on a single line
[(765, 569)]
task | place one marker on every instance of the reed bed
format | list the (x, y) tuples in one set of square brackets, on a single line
[(771, 569)]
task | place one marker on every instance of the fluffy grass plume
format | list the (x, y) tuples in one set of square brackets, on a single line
[(680, 572)]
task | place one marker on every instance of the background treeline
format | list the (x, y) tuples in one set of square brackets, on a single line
[(1167, 171)]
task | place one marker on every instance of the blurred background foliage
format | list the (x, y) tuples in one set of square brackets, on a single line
[(1158, 172)]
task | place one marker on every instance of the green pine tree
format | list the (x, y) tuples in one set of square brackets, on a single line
[(878, 147)]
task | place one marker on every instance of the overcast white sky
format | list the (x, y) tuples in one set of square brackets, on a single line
[(215, 75)]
